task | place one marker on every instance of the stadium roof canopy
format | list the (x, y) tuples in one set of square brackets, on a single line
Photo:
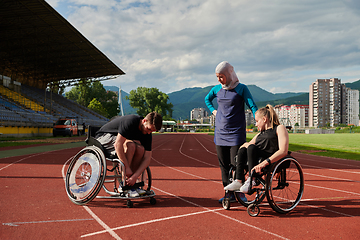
[(38, 46)]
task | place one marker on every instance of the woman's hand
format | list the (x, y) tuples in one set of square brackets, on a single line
[(214, 112), (260, 166)]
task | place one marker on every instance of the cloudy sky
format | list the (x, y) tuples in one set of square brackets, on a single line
[(278, 45)]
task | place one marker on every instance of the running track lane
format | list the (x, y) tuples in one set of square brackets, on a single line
[(186, 179)]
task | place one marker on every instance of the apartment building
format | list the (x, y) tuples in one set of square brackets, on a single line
[(329, 103), (294, 115), (198, 113), (352, 106), (249, 117)]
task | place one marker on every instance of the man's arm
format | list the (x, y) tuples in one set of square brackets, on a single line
[(119, 148), (144, 164)]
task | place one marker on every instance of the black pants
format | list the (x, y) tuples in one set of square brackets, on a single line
[(248, 157), (226, 156)]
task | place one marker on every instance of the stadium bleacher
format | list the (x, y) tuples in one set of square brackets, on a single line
[(14, 112)]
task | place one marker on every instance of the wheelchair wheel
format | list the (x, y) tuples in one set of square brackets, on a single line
[(85, 175), (253, 210), (256, 195), (285, 185), (146, 178), (226, 203)]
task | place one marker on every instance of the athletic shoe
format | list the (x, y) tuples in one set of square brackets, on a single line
[(242, 197), (140, 191), (234, 186), (245, 188), (232, 198), (132, 193)]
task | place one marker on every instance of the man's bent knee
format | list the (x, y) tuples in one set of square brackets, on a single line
[(133, 147)]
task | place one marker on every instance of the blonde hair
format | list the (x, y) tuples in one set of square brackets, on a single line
[(270, 114)]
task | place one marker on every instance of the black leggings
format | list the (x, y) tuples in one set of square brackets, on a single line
[(250, 157), (226, 156)]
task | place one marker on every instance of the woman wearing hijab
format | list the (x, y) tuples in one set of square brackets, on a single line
[(230, 124)]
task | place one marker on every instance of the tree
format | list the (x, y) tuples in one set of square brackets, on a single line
[(96, 106), (81, 93), (87, 91), (147, 100)]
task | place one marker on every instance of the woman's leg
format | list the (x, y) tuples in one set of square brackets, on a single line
[(226, 156), (253, 156), (223, 153), (241, 164)]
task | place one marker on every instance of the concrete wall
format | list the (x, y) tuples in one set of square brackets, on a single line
[(319, 131)]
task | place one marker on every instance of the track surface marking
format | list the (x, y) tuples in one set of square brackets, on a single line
[(187, 181)]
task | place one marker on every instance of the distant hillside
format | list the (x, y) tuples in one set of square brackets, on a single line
[(260, 94), (354, 85), (302, 99), (189, 98)]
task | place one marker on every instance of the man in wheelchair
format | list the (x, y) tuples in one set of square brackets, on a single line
[(271, 144), (129, 137)]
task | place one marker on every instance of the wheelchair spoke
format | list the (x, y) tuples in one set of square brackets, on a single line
[(286, 186)]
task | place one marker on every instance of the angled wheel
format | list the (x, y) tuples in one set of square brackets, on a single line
[(285, 185), (129, 204), (152, 201), (226, 203), (85, 175), (253, 210)]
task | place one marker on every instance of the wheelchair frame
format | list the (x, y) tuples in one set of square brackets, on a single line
[(88, 173), (282, 183)]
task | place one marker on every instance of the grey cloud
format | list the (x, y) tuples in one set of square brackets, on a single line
[(157, 42)]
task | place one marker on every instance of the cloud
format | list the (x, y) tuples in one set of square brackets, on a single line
[(280, 45)]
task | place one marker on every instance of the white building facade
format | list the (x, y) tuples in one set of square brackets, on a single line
[(325, 102), (331, 103), (294, 115), (198, 114), (352, 106)]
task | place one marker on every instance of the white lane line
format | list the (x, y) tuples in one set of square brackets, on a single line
[(325, 209), (332, 169), (22, 159), (207, 210), (335, 178), (190, 174), (333, 160), (205, 147), (333, 189), (16, 224), (192, 157), (106, 227), (97, 219)]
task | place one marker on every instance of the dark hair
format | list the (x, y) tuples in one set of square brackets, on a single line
[(155, 119), (270, 114)]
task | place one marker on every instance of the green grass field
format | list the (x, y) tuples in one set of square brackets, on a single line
[(339, 145)]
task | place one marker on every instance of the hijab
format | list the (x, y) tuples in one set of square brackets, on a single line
[(231, 79)]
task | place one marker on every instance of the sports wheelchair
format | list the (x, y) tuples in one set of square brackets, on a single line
[(88, 172), (281, 182)]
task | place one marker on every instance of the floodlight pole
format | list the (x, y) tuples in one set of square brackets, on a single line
[(120, 102)]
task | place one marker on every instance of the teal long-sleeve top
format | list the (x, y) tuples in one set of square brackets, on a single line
[(230, 124)]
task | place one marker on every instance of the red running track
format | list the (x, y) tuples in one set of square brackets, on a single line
[(187, 182)]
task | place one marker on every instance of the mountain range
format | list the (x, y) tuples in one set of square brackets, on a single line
[(189, 98)]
